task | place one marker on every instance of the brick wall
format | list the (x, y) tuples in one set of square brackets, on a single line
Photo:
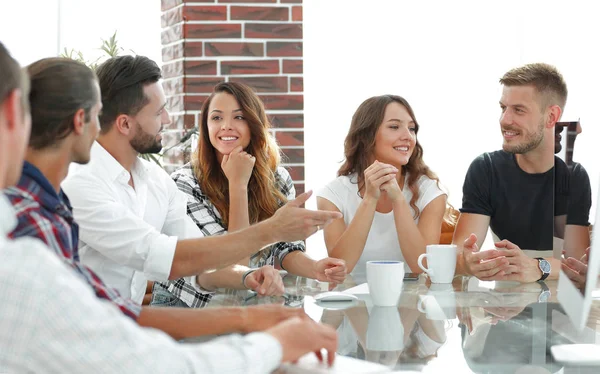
[(258, 42)]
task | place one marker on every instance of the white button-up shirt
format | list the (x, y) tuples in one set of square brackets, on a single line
[(52, 322), (127, 234)]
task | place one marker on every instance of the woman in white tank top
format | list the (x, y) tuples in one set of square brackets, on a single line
[(392, 203)]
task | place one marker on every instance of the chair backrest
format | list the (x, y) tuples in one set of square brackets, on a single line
[(448, 228)]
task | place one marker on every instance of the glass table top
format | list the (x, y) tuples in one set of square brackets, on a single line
[(468, 326)]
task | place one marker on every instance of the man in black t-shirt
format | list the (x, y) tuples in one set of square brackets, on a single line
[(518, 203), (511, 190)]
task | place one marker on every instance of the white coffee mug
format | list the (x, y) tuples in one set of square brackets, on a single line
[(385, 281), (441, 262), (385, 331), (439, 303)]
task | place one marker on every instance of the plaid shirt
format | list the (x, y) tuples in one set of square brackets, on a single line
[(43, 214), (208, 219)]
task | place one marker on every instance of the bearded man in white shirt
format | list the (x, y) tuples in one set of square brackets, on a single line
[(132, 216), (53, 323)]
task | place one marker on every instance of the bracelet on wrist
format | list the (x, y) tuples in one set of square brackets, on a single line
[(248, 272)]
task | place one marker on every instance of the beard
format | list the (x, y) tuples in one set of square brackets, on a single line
[(531, 141), (144, 143)]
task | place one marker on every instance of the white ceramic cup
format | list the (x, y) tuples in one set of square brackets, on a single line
[(441, 262), (385, 281), (439, 303), (385, 331)]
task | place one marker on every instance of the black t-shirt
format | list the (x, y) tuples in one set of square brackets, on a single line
[(562, 183), (580, 197), (520, 205)]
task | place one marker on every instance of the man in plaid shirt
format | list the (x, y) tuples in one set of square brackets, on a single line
[(43, 210), (46, 215)]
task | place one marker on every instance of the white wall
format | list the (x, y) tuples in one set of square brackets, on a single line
[(29, 35), (35, 29), (445, 58)]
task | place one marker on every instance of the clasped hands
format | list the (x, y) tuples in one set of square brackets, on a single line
[(506, 262)]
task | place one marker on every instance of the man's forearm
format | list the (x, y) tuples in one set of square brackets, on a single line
[(461, 268), (195, 256), (577, 239), (459, 240), (181, 323)]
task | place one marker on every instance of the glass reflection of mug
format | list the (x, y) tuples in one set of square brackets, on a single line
[(439, 303), (385, 331)]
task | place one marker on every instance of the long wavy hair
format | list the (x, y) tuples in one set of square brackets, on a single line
[(264, 198), (359, 146)]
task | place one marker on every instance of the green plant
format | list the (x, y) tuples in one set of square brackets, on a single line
[(111, 48)]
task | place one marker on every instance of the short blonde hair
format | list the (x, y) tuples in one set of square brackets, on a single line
[(546, 79)]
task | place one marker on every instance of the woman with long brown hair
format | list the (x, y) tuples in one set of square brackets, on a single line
[(235, 180), (391, 202)]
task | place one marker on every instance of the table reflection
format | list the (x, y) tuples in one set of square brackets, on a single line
[(387, 335), (467, 326)]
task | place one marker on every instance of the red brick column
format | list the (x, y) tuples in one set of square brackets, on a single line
[(258, 42)]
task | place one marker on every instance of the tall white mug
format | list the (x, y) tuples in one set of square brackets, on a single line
[(441, 262), (385, 281)]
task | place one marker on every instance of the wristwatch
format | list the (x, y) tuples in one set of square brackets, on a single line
[(545, 267), (545, 294)]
